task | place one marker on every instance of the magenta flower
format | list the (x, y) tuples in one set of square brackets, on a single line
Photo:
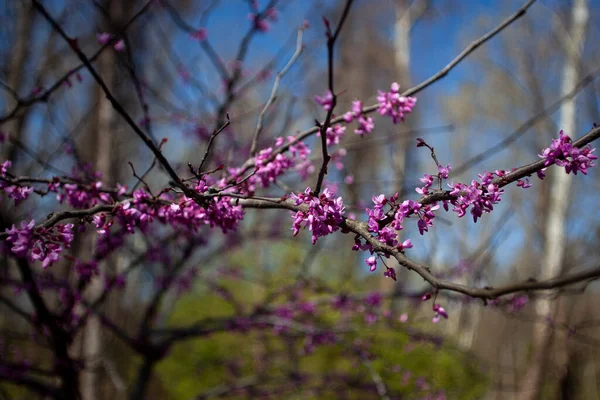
[(373, 299), (365, 124), (444, 171), (372, 263), (200, 34), (326, 101), (524, 184), (4, 167), (390, 273), (259, 23), (562, 153), (17, 193), (407, 244), (323, 216), (40, 244), (379, 200), (479, 196), (439, 312), (333, 134), (394, 105), (103, 37), (120, 45), (428, 181)]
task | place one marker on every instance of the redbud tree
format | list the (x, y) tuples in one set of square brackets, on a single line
[(74, 241)]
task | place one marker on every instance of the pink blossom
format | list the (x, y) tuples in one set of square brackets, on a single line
[(439, 312), (394, 105), (120, 45), (390, 273), (199, 34), (333, 134), (444, 171), (40, 244), (562, 153), (103, 37), (323, 216), (326, 100), (4, 167), (259, 23), (372, 263), (365, 124)]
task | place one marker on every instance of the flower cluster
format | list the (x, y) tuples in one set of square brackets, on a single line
[(387, 233), (326, 100), (41, 244), (268, 171), (4, 167), (183, 214), (439, 312), (562, 153), (260, 22), (199, 34), (428, 182), (480, 196), (87, 270), (105, 37), (333, 134), (324, 214), (394, 105), (365, 124), (15, 192), (83, 196), (269, 168)]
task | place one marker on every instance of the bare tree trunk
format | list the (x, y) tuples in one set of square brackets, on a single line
[(104, 157), (406, 15), (559, 199)]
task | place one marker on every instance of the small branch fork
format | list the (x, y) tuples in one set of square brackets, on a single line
[(113, 101), (210, 142), (331, 39), (414, 90), (45, 95), (271, 100), (422, 143)]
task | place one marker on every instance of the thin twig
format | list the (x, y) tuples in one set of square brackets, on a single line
[(521, 130), (116, 105), (45, 96), (280, 75), (434, 78), (210, 142), (323, 127)]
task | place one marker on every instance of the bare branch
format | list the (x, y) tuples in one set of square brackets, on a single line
[(271, 100)]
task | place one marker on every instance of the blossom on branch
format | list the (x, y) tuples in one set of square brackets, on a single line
[(562, 153), (326, 100), (40, 244), (324, 214), (394, 105)]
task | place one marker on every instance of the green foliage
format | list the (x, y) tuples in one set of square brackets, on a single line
[(215, 362)]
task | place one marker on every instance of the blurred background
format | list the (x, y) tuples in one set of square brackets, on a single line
[(178, 67)]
